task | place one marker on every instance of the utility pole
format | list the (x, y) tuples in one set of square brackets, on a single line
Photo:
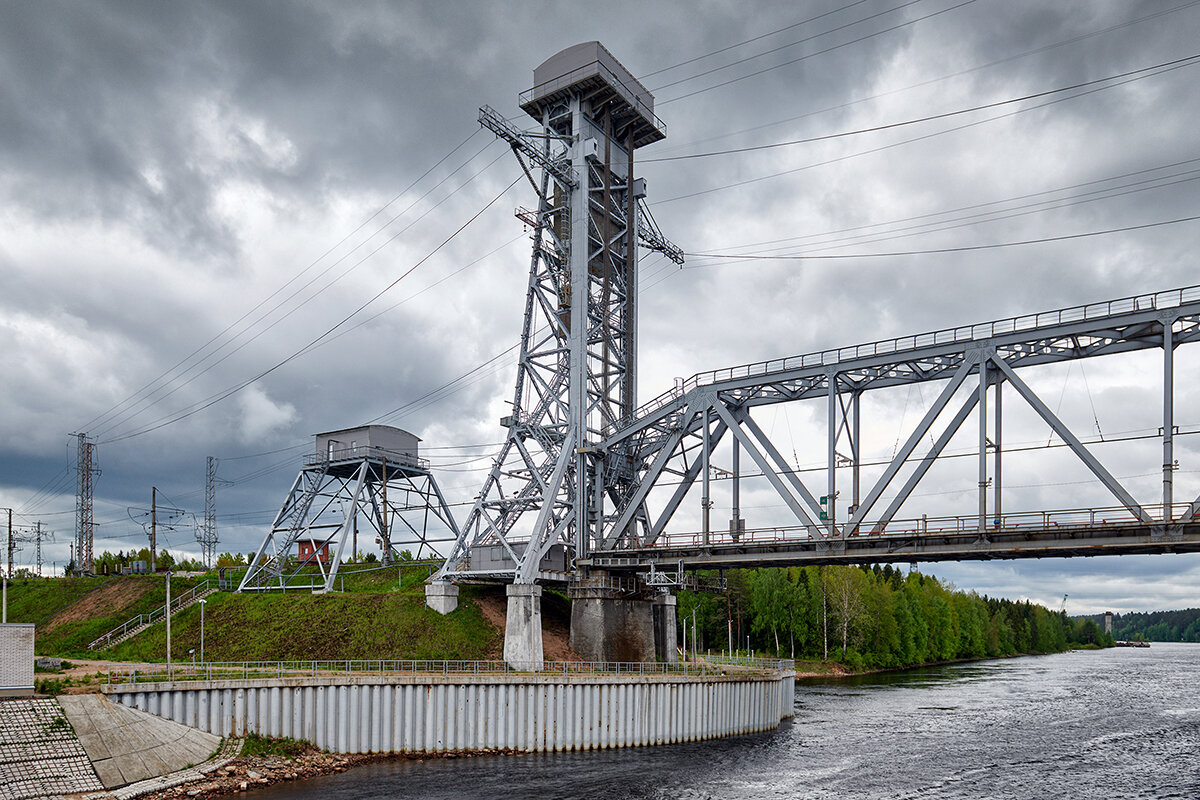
[(168, 607), (154, 541), (11, 545)]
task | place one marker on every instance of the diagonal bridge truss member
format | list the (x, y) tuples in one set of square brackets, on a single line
[(676, 439), (349, 492), (576, 373)]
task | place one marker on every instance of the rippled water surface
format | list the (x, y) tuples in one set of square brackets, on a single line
[(1102, 724)]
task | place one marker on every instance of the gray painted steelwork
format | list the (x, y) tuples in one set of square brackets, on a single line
[(606, 478), (577, 370), (674, 436), (436, 714), (371, 474)]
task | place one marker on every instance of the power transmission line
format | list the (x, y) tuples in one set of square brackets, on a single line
[(213, 400), (304, 302), (964, 248), (726, 49), (293, 279), (1187, 61), (923, 137), (979, 67), (974, 206), (817, 53)]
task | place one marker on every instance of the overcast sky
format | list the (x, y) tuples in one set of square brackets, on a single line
[(192, 192)]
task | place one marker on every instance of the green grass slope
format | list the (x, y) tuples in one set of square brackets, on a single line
[(71, 612), (380, 614), (302, 627)]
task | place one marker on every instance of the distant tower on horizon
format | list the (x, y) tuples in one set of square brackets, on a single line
[(1108, 622)]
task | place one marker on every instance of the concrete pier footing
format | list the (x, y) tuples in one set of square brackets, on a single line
[(523, 627), (608, 625), (441, 597), (665, 648)]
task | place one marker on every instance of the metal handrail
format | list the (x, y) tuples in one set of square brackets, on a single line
[(964, 333), (263, 670), (364, 451), (177, 603), (1060, 519)]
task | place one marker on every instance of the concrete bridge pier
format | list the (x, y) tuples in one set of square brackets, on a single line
[(609, 625), (523, 627), (441, 597)]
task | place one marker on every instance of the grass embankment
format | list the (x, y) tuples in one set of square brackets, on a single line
[(302, 627), (380, 615), (71, 612)]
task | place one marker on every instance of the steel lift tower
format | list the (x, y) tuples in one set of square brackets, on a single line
[(370, 477), (543, 504)]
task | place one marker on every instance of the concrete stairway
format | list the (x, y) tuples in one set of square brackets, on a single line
[(141, 622)]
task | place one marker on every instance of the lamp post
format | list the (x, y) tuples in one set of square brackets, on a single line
[(202, 602), (168, 610), (694, 644)]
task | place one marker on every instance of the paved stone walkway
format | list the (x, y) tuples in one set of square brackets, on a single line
[(126, 745), (229, 751), (39, 752)]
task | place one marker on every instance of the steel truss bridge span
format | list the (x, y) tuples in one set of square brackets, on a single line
[(669, 444), (1064, 533)]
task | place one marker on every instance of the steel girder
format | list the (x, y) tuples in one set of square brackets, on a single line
[(576, 373), (674, 435), (399, 505)]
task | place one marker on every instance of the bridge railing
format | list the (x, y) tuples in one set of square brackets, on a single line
[(1065, 519), (264, 670), (965, 333)]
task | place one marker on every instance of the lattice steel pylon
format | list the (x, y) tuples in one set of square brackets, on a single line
[(206, 532), (87, 472), (391, 494), (577, 368)]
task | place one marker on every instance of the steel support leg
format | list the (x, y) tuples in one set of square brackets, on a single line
[(983, 441), (855, 450), (705, 500), (831, 497), (737, 485), (1168, 418), (998, 441)]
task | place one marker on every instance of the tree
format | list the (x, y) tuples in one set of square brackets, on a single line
[(231, 560), (771, 602), (846, 587)]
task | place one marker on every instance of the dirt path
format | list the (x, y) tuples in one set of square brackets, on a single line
[(556, 635), (116, 594)]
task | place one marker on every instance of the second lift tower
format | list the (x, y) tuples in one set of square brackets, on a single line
[(543, 503)]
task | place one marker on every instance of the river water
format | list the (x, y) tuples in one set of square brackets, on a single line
[(1093, 724)]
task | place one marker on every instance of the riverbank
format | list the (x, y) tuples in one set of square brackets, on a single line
[(249, 772)]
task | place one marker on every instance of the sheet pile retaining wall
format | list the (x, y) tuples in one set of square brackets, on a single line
[(468, 713)]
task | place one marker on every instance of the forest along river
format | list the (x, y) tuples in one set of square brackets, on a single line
[(1091, 724)]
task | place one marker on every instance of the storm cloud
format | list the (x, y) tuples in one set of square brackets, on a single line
[(191, 193)]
